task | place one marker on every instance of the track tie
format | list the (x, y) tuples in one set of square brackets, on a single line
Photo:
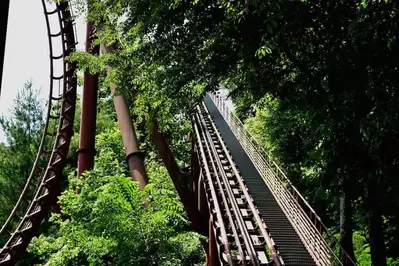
[(51, 179), (52, 12), (56, 34), (56, 98), (18, 243), (57, 57)]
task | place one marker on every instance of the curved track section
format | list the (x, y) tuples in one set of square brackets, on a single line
[(42, 186)]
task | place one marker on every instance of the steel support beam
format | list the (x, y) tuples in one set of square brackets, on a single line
[(134, 157), (86, 151), (212, 259), (188, 199), (195, 166), (5, 6)]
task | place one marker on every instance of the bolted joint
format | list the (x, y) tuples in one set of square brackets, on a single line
[(139, 154), (91, 151)]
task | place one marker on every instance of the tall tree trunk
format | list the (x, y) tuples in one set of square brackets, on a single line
[(346, 224), (372, 202), (134, 156)]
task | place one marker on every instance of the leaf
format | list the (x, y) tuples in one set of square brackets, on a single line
[(269, 29)]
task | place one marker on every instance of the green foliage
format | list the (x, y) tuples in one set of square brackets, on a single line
[(329, 67), (22, 129), (112, 223), (108, 223)]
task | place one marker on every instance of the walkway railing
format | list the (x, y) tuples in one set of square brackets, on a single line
[(308, 225)]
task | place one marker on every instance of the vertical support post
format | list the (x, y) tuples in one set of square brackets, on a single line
[(195, 166), (134, 157), (202, 201), (5, 5), (86, 149), (212, 258), (198, 223)]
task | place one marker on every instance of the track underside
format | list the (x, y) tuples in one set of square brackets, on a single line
[(42, 186), (290, 246), (240, 234)]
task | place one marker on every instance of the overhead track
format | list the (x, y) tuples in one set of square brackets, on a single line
[(42, 186)]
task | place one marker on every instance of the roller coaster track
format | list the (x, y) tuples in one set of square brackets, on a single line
[(42, 186), (242, 237), (294, 224)]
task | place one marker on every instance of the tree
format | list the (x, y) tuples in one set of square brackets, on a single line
[(332, 62), (115, 222), (22, 128)]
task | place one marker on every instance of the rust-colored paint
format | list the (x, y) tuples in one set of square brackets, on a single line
[(201, 196), (212, 258), (195, 166), (198, 223), (86, 151), (134, 157)]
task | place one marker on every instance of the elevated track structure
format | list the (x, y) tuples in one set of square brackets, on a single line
[(42, 186), (255, 215), (295, 233)]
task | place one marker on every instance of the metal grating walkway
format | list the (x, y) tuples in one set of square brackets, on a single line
[(291, 248)]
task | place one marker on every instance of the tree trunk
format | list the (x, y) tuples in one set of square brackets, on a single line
[(134, 156), (346, 225), (374, 222)]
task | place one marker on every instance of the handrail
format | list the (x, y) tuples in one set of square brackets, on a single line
[(307, 224)]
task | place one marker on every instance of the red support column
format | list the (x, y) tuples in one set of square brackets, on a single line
[(212, 258), (86, 149), (201, 198), (187, 198), (195, 166), (134, 157)]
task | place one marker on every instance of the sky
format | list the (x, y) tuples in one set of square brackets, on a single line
[(27, 51)]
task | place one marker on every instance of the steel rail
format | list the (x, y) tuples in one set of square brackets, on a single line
[(307, 232), (217, 166), (226, 205), (216, 207), (253, 232), (46, 190), (264, 229), (308, 225)]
